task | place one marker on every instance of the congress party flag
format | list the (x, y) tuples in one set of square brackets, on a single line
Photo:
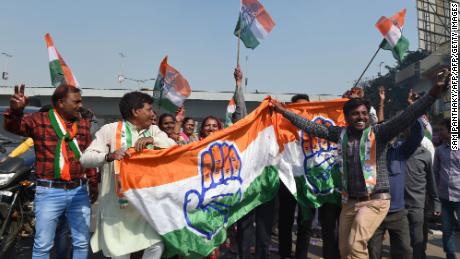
[(254, 23), (391, 29), (171, 88), (191, 194), (59, 70)]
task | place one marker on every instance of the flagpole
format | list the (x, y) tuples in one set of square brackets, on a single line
[(362, 74), (239, 36)]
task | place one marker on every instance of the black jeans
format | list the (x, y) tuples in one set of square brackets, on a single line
[(245, 231), (398, 227), (328, 217), (416, 217)]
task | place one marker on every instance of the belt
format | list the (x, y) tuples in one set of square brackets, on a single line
[(374, 196), (72, 184)]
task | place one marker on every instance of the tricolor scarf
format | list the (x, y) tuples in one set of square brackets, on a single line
[(61, 158), (368, 158), (123, 140)]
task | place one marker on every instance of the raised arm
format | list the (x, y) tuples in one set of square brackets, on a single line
[(394, 126), (381, 111), (240, 111), (15, 122), (331, 133)]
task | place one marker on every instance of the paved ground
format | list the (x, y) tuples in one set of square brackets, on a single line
[(23, 249)]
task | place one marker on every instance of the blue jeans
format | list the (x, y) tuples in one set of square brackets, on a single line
[(50, 204), (448, 221)]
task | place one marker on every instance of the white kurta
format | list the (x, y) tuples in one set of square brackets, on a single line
[(118, 231)]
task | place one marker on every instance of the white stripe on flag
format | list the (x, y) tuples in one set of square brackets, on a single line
[(258, 30), (175, 97), (52, 54), (393, 36)]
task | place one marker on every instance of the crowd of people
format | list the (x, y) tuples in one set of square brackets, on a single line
[(393, 177)]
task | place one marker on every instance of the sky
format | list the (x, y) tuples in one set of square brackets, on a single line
[(316, 47)]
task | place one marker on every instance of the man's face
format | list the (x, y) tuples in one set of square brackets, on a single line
[(189, 127), (167, 125), (70, 106), (358, 118), (144, 116)]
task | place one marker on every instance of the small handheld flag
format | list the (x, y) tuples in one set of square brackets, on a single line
[(391, 29), (60, 72), (171, 88), (254, 23)]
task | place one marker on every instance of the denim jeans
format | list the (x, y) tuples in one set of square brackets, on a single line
[(448, 221), (50, 204)]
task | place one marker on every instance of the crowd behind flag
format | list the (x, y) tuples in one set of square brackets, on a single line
[(190, 194), (171, 88), (391, 29), (59, 70)]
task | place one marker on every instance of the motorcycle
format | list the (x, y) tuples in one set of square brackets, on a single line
[(16, 202)]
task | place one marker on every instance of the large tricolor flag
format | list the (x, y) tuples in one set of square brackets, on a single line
[(171, 88), (191, 194), (391, 29), (59, 70), (254, 23)]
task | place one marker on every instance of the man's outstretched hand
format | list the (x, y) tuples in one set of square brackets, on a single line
[(18, 101), (276, 106)]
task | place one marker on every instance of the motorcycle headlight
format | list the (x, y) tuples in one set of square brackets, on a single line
[(4, 178)]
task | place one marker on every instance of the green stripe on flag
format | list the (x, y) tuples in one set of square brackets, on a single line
[(246, 35), (261, 190), (57, 74), (166, 104), (399, 51)]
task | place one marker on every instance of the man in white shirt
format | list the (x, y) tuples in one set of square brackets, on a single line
[(121, 229)]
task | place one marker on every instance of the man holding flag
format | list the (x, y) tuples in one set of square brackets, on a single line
[(121, 229), (362, 155)]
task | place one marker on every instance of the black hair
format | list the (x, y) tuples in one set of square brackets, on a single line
[(133, 101), (355, 103), (297, 97), (187, 119), (163, 117), (62, 91)]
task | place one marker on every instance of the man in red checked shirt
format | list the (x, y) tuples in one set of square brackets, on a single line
[(59, 135)]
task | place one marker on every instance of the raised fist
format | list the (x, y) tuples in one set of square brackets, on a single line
[(206, 210)]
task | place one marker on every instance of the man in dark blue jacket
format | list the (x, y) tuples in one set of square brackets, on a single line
[(396, 221)]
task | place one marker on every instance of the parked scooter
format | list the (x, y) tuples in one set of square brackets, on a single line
[(16, 202)]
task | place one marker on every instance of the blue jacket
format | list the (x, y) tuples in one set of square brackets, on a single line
[(396, 160)]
